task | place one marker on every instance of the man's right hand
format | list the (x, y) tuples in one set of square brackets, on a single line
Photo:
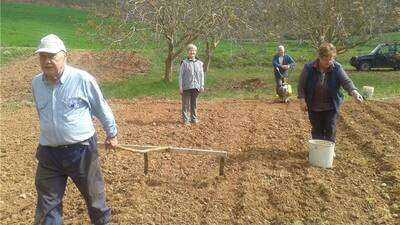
[(180, 91), (303, 105), (111, 143)]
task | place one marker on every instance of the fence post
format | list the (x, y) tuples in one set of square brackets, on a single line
[(221, 166), (146, 163)]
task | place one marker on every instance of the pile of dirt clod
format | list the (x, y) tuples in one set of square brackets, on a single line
[(250, 84), (16, 77), (109, 65)]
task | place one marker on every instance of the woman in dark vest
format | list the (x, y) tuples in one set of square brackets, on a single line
[(319, 93)]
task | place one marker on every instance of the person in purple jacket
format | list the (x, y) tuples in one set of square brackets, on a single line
[(319, 92)]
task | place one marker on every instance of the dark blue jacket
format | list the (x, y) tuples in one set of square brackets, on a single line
[(333, 83), (287, 60)]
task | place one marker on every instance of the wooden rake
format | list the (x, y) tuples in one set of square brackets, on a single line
[(146, 149)]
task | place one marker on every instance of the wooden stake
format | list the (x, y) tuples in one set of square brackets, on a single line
[(221, 166), (146, 163)]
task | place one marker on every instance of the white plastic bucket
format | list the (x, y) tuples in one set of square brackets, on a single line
[(368, 92), (321, 153)]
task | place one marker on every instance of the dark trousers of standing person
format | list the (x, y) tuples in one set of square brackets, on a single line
[(189, 102), (80, 162), (323, 124), (278, 82)]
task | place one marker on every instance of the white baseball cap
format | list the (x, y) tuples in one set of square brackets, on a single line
[(51, 44)]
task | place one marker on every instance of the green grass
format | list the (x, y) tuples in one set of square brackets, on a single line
[(251, 53), (140, 86), (8, 54), (233, 62), (385, 82), (221, 83), (23, 25)]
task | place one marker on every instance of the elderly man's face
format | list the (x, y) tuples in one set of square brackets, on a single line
[(192, 53), (52, 64), (281, 52)]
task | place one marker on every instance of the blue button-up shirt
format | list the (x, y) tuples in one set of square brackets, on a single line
[(66, 109)]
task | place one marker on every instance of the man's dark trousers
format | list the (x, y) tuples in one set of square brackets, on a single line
[(278, 84), (323, 124), (80, 162)]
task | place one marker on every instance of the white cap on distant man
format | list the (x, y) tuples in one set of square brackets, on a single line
[(51, 44)]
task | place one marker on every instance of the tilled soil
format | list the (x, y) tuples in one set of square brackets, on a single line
[(267, 176)]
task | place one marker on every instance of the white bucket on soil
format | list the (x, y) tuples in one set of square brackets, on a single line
[(321, 153)]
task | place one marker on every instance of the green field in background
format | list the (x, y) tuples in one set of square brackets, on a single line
[(234, 62)]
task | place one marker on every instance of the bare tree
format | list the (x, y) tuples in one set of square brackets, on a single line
[(261, 19), (177, 22), (344, 23), (110, 25), (228, 23)]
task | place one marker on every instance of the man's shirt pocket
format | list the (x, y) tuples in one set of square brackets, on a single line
[(73, 108), (44, 109)]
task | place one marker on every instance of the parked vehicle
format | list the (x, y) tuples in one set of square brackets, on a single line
[(383, 56)]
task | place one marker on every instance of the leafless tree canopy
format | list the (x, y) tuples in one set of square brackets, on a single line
[(179, 22), (342, 22)]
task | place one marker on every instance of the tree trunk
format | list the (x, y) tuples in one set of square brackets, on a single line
[(168, 68), (208, 57), (168, 63), (211, 45)]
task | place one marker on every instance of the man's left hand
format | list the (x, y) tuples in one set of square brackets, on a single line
[(111, 143), (357, 96), (201, 90)]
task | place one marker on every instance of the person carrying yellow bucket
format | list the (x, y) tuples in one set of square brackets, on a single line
[(284, 91), (282, 63)]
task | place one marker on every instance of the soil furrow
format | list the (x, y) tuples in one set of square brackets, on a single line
[(384, 165)]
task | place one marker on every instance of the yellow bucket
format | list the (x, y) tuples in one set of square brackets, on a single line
[(289, 87)]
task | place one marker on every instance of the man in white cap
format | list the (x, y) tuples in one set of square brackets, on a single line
[(66, 98)]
